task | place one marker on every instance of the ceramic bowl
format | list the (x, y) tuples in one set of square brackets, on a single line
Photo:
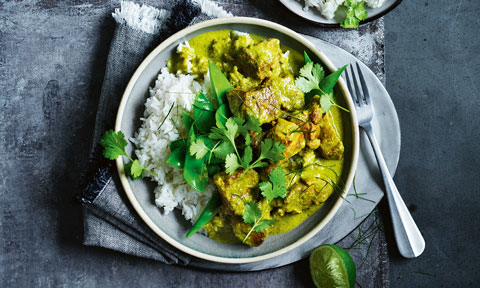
[(172, 227), (313, 15)]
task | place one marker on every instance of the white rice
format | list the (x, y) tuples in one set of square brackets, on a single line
[(152, 143), (328, 7)]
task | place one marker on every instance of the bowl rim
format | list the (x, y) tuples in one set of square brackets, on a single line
[(325, 61), (337, 25)]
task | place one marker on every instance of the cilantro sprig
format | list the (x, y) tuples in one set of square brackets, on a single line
[(114, 145), (225, 147), (355, 13), (272, 189), (312, 80)]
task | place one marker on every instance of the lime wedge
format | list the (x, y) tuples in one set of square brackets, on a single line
[(331, 266)]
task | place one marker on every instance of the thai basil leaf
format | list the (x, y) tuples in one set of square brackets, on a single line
[(329, 82), (306, 58)]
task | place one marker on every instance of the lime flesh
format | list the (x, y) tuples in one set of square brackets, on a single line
[(332, 266)]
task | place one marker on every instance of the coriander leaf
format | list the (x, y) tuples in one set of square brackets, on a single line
[(218, 134), (305, 85), (277, 177), (360, 11), (306, 71), (252, 213), (247, 157), (310, 75), (253, 124), (232, 128), (263, 224), (356, 12), (276, 186), (223, 150), (198, 148), (248, 140), (272, 150), (318, 72), (231, 163), (134, 170), (114, 144), (267, 190), (238, 120), (326, 102)]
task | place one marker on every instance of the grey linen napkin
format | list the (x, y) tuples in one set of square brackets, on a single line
[(109, 219)]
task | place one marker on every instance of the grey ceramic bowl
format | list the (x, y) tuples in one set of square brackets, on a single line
[(172, 227)]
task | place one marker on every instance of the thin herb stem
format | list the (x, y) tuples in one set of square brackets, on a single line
[(164, 119)]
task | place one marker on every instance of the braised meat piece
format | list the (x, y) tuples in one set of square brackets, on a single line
[(235, 189), (260, 103), (290, 135), (261, 60)]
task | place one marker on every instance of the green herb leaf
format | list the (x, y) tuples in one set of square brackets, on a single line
[(326, 102), (276, 187), (198, 148), (263, 224), (327, 84), (114, 144), (136, 170), (252, 213), (310, 75), (231, 163), (272, 150), (247, 157), (195, 171), (223, 150), (305, 57), (356, 12)]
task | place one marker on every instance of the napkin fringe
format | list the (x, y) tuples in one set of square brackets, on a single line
[(96, 177), (212, 9), (144, 18)]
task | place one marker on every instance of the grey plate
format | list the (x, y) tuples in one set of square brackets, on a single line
[(313, 15), (368, 179), (172, 227)]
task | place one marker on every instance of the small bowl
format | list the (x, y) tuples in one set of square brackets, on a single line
[(314, 16), (173, 227)]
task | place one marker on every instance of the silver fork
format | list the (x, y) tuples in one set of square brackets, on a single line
[(410, 241)]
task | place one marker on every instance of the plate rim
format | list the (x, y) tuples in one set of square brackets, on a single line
[(249, 21), (337, 25)]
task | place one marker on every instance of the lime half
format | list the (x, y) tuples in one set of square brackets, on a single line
[(332, 266)]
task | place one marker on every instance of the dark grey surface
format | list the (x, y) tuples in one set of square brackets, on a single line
[(433, 68), (49, 50)]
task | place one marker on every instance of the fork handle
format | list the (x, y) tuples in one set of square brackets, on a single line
[(410, 241)]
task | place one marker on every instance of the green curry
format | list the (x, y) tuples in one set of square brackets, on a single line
[(262, 73)]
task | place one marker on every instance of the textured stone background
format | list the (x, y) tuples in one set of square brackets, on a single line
[(52, 58)]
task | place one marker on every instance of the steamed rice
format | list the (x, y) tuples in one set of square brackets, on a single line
[(152, 141), (328, 7)]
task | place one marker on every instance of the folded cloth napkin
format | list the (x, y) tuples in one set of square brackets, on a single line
[(109, 220)]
